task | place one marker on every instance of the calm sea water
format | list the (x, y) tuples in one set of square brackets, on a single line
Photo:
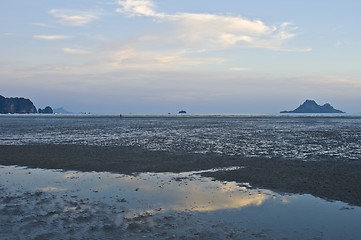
[(315, 137)]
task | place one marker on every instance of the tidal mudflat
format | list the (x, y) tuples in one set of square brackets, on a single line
[(135, 177), (57, 204)]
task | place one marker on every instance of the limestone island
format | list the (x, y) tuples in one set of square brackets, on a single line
[(47, 110), (16, 105), (20, 105), (310, 106)]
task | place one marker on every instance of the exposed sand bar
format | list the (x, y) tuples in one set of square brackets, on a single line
[(326, 179)]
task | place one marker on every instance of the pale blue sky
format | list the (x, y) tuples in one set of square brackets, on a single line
[(160, 56)]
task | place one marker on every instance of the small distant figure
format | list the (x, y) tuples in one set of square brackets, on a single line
[(120, 115), (182, 112)]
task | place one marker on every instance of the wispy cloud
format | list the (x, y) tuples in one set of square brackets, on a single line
[(192, 40), (50, 37), (75, 17), (204, 32), (138, 8), (75, 51), (131, 57), (44, 25)]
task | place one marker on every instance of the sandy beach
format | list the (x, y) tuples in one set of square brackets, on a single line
[(331, 180)]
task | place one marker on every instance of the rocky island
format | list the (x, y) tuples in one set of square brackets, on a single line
[(16, 105), (20, 105), (310, 106), (47, 110)]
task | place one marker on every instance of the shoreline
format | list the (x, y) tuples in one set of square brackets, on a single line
[(330, 180)]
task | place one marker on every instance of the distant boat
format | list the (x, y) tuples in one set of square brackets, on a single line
[(182, 112)]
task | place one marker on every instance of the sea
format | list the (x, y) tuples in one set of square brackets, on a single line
[(307, 137)]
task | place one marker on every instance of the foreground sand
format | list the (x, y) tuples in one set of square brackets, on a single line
[(57, 204), (330, 180)]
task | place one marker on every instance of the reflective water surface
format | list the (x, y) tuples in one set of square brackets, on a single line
[(261, 212)]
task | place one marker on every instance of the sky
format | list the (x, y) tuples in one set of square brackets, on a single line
[(163, 56)]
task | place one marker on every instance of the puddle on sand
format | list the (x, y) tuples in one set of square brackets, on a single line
[(125, 199)]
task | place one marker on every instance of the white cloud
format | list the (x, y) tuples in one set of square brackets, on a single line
[(186, 41), (50, 37), (130, 57), (75, 51), (203, 32), (74, 17), (41, 25), (138, 8)]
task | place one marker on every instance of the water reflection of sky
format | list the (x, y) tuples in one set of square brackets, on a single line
[(291, 215), (168, 191)]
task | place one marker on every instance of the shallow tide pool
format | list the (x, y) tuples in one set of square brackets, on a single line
[(37, 203)]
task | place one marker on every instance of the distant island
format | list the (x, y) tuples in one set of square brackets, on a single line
[(310, 106), (61, 110), (47, 110), (182, 112), (20, 105)]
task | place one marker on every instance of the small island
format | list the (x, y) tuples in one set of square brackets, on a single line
[(310, 106), (47, 110)]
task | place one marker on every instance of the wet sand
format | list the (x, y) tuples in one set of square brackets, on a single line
[(75, 205), (57, 204), (327, 179)]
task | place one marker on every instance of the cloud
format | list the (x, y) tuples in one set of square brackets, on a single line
[(50, 37), (138, 8), (131, 57), (75, 17), (75, 51), (204, 32), (180, 41), (42, 25)]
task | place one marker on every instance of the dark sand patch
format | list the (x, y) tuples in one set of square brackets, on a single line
[(330, 180), (326, 179), (119, 159)]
